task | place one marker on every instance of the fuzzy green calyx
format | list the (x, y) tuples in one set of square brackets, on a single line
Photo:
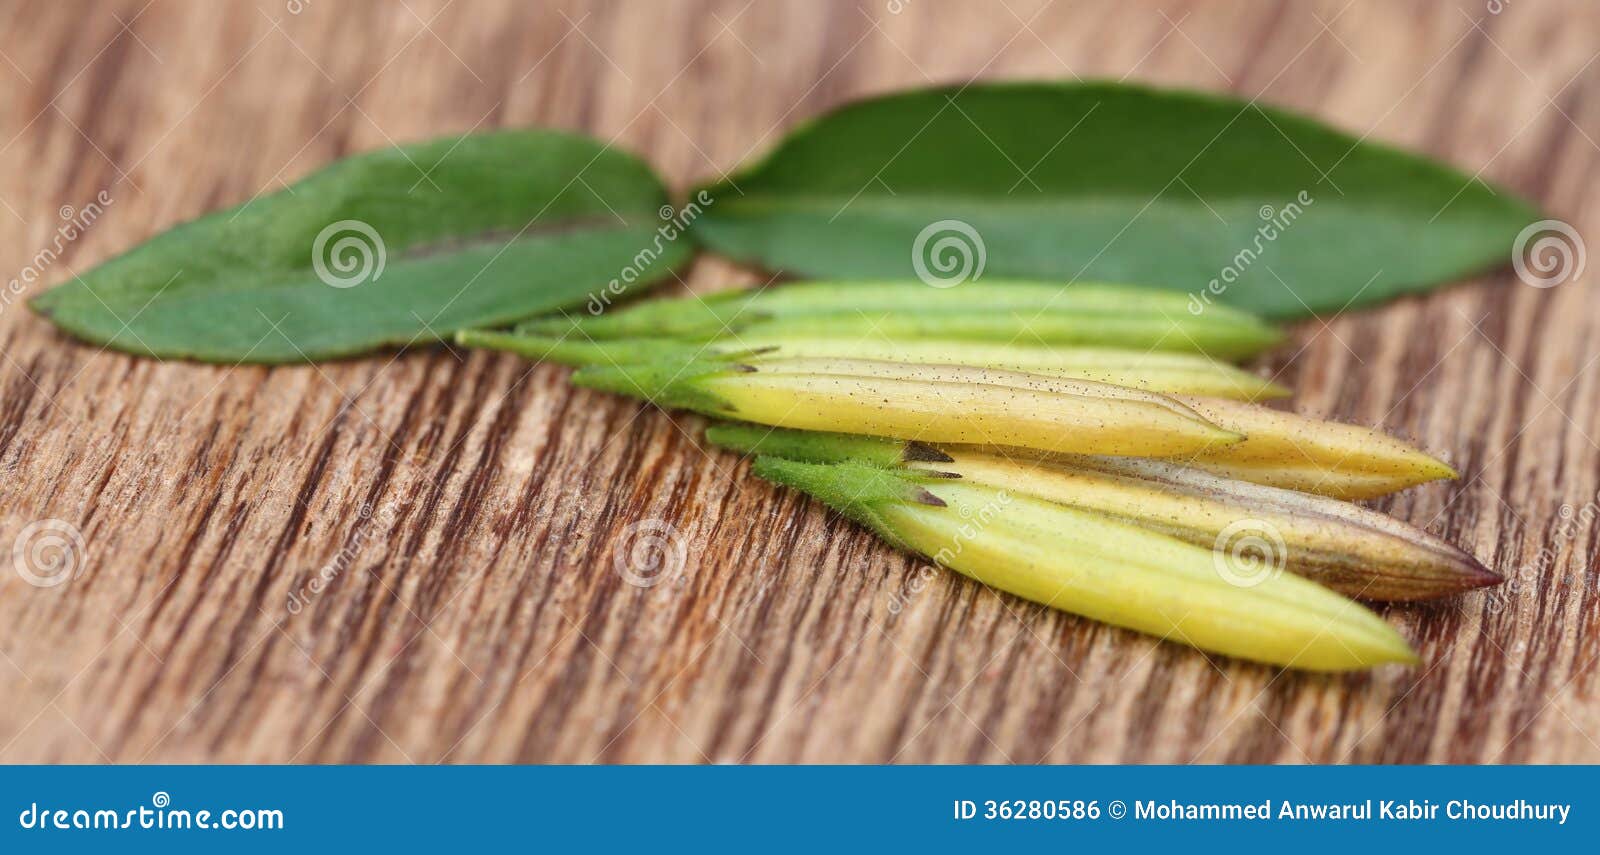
[(819, 446), (666, 383), (858, 491), (1051, 313)]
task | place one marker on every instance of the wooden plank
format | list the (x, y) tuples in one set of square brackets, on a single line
[(471, 511)]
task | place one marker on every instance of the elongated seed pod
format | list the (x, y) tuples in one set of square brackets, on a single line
[(1102, 568), (1330, 458), (1048, 313), (1273, 438), (1053, 415), (1313, 455), (1351, 549), (1154, 371), (1214, 337)]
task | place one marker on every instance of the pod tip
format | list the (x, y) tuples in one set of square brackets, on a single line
[(922, 452), (1271, 391), (1394, 649), (1428, 469), (1228, 437), (1408, 657), (1477, 575)]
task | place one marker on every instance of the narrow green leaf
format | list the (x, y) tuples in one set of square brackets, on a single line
[(391, 247), (1153, 371), (1225, 200)]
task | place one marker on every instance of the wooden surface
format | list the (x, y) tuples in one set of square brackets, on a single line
[(475, 513)]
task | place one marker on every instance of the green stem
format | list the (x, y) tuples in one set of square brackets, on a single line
[(578, 351)]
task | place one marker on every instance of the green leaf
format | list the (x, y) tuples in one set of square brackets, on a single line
[(1115, 183), (391, 247)]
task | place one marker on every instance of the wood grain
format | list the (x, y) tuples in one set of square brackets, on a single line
[(472, 510)]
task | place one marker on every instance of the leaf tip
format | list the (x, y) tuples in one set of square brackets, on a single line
[(43, 305)]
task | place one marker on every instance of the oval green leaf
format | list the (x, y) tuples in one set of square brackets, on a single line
[(388, 248), (1226, 200)]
